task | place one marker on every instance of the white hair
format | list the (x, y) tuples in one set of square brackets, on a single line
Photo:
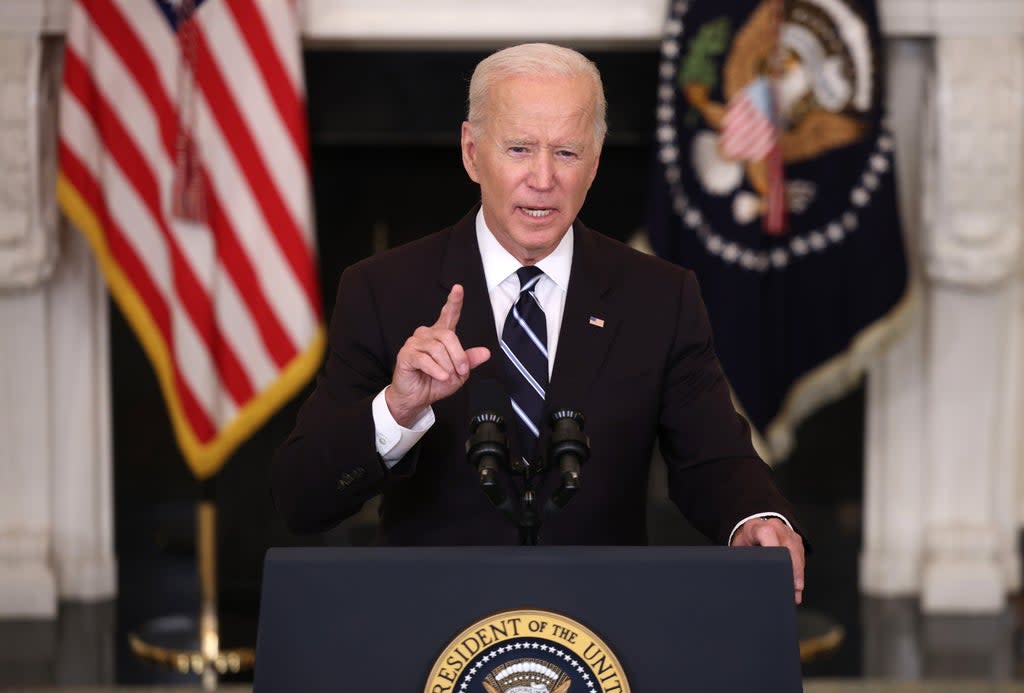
[(534, 60)]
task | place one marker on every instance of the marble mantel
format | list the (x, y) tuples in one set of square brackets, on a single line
[(943, 496)]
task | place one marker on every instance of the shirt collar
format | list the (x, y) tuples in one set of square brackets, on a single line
[(499, 263)]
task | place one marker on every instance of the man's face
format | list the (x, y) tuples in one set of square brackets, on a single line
[(534, 157)]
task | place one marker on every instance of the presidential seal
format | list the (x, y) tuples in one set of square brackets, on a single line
[(770, 126), (527, 651)]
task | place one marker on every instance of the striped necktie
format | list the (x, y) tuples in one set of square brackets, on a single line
[(524, 341)]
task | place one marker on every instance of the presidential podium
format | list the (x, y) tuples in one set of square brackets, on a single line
[(538, 619)]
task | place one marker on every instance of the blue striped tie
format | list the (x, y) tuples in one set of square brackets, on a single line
[(524, 341)]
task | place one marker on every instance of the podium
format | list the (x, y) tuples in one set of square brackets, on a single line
[(539, 619)]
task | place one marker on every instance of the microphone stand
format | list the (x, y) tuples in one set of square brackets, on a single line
[(487, 452), (529, 518), (569, 448)]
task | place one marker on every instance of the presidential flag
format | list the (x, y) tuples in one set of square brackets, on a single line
[(774, 182), (184, 159)]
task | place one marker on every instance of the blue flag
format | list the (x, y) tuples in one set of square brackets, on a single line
[(774, 182)]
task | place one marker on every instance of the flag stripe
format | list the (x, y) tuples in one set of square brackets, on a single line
[(133, 268), (274, 71), (239, 137), (238, 184), (193, 297), (223, 296), (132, 53), (253, 235), (235, 260), (240, 73), (123, 209)]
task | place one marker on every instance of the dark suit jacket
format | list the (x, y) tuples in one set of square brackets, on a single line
[(650, 373)]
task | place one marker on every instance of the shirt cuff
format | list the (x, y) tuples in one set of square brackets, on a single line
[(393, 440), (753, 517)]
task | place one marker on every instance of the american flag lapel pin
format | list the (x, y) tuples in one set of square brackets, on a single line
[(596, 322)]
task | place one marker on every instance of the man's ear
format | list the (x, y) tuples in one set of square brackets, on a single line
[(469, 151)]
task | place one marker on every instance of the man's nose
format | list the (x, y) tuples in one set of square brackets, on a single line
[(542, 172)]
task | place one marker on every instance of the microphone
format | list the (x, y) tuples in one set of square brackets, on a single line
[(487, 445), (569, 448)]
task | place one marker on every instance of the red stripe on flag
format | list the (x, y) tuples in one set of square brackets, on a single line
[(138, 61), (234, 259), (243, 145), (289, 102), (194, 299), (122, 253)]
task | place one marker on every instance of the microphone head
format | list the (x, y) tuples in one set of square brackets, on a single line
[(487, 417), (563, 414)]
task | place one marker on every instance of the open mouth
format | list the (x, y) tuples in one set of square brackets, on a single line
[(537, 212)]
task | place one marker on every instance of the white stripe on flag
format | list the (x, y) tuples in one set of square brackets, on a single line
[(249, 92)]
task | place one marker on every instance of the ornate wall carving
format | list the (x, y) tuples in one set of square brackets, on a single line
[(974, 206), (29, 80)]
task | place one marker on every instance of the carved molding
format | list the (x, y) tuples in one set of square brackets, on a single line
[(483, 21), (493, 21), (29, 84), (33, 17), (952, 17), (975, 209)]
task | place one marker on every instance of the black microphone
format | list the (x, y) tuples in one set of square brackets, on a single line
[(487, 446), (569, 448)]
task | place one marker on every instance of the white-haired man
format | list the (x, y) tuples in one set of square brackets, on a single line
[(557, 314)]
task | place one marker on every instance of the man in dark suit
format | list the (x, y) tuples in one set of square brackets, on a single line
[(618, 335)]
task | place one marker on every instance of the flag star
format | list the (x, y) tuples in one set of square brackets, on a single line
[(534, 645)]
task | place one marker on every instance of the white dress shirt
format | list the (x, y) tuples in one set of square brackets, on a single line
[(394, 440)]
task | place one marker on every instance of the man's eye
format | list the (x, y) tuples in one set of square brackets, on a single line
[(567, 154), (517, 150)]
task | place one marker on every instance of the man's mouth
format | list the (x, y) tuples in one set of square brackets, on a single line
[(537, 212)]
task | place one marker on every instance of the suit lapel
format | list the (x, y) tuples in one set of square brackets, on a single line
[(589, 323), (462, 265)]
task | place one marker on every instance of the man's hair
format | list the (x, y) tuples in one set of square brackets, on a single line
[(534, 60)]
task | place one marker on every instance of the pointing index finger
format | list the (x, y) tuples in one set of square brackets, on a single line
[(452, 309)]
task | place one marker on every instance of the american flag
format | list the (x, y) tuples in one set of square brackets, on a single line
[(750, 133), (184, 159), (748, 127)]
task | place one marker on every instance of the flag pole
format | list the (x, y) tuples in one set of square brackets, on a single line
[(183, 643), (206, 544)]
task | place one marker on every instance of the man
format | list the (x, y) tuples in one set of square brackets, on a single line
[(618, 335)]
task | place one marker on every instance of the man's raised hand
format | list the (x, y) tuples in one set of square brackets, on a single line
[(432, 364)]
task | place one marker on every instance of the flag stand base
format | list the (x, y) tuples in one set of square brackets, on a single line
[(185, 645), (820, 635)]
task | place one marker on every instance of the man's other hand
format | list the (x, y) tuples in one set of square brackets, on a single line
[(432, 364), (771, 531)]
